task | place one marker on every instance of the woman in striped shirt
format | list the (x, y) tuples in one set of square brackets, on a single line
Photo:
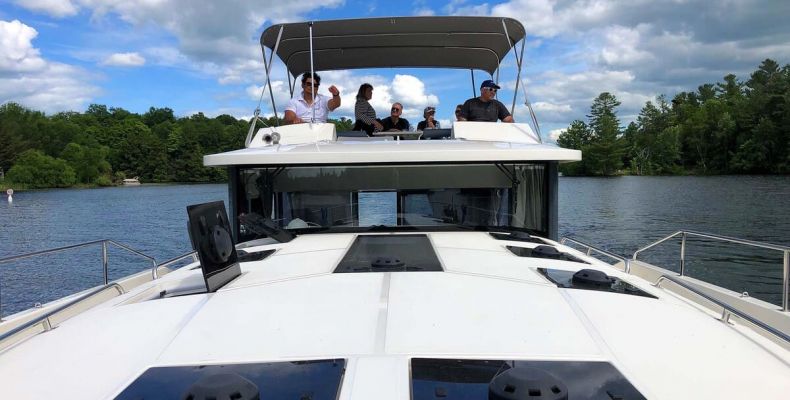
[(364, 112)]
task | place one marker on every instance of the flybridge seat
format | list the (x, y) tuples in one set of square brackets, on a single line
[(463, 130)]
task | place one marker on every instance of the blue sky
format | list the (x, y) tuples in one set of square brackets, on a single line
[(193, 56)]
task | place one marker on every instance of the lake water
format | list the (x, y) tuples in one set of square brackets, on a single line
[(619, 214)]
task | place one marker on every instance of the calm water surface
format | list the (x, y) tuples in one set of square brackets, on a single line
[(619, 214)]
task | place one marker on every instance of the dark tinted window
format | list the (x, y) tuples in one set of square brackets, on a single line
[(388, 253), (469, 379), (315, 380)]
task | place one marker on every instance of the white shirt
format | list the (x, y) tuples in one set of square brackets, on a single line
[(303, 110)]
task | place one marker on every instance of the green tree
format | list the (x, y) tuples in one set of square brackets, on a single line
[(89, 163), (38, 170), (604, 154), (578, 136)]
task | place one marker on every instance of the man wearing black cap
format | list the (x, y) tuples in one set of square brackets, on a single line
[(486, 107)]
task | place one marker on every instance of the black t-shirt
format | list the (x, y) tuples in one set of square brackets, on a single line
[(422, 124), (402, 125), (479, 110)]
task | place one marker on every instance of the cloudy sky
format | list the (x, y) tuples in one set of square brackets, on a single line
[(59, 55)]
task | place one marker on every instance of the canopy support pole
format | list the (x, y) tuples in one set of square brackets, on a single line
[(519, 61), (267, 69), (474, 88), (290, 87), (312, 73)]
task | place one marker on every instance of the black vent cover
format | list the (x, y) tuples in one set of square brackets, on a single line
[(591, 279), (433, 379), (390, 253), (517, 237), (544, 251), (312, 379)]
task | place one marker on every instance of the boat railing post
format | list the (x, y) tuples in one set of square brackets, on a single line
[(683, 253), (786, 281), (105, 262)]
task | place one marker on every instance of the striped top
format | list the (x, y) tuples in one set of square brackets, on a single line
[(364, 112)]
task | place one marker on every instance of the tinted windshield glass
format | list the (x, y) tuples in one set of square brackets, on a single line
[(360, 198)]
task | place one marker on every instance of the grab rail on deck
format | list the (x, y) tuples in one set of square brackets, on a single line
[(684, 234), (44, 320), (727, 310), (105, 258), (590, 248)]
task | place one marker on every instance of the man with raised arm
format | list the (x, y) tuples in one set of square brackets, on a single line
[(486, 107), (300, 108)]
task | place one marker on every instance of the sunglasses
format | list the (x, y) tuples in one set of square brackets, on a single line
[(490, 89), (457, 111), (312, 84), (395, 109)]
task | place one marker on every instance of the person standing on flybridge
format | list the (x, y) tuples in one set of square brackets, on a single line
[(300, 108), (486, 107)]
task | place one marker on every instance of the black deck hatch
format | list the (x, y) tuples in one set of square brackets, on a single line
[(390, 253)]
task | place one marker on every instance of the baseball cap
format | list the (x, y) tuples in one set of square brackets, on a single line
[(428, 110), (489, 83)]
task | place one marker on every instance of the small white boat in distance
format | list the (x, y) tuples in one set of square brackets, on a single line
[(131, 181)]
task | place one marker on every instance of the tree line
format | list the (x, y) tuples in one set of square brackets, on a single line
[(730, 127), (102, 146)]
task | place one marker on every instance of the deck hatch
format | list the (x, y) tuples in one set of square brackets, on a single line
[(315, 379), (544, 251), (390, 253), (564, 279), (471, 379)]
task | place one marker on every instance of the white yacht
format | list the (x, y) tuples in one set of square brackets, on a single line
[(131, 181), (349, 267)]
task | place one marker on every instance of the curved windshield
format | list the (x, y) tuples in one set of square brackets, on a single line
[(491, 196)]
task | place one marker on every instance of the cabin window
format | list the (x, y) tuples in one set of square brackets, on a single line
[(430, 197)]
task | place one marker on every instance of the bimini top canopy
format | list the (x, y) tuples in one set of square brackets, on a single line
[(442, 42)]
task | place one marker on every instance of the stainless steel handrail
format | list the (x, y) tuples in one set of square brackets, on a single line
[(684, 234), (192, 254), (728, 310), (44, 320), (590, 248), (105, 258)]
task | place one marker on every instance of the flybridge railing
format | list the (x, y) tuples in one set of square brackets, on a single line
[(104, 258), (684, 234)]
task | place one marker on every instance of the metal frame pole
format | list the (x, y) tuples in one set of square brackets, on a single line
[(268, 67), (474, 87), (312, 71), (105, 262), (520, 62), (786, 281), (683, 254)]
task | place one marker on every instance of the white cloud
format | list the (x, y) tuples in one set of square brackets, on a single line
[(460, 7), (124, 60), (29, 79), (410, 91), (554, 134), (18, 53), (424, 12), (621, 47), (55, 8)]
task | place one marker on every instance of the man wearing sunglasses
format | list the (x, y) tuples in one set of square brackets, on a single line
[(486, 107), (394, 123), (300, 108)]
